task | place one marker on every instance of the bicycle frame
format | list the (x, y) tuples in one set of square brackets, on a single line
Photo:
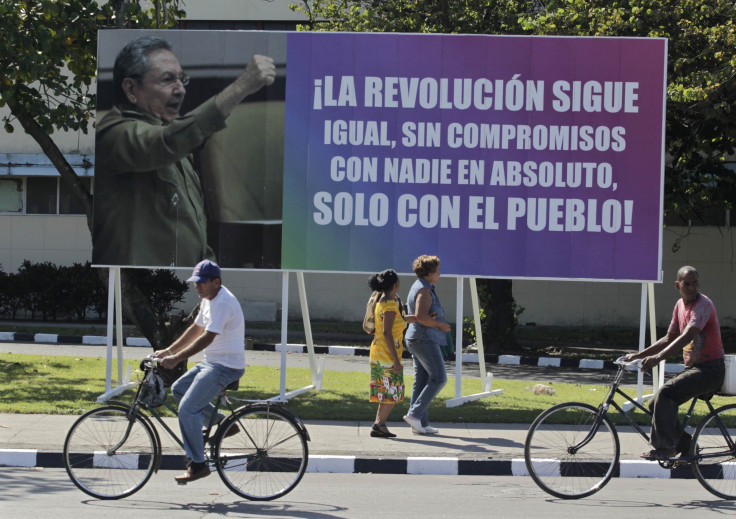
[(137, 407), (572, 448), (259, 450), (609, 401)]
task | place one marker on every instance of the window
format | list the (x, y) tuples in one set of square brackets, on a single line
[(41, 195), (703, 213), (11, 195)]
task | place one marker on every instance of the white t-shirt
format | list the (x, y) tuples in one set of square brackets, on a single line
[(223, 316)]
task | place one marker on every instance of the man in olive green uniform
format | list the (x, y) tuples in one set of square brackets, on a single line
[(149, 205)]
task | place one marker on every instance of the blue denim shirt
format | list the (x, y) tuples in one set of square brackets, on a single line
[(417, 331)]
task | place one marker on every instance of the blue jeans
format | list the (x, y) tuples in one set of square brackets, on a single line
[(429, 377), (195, 391)]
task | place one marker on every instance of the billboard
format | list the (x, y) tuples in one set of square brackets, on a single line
[(506, 156)]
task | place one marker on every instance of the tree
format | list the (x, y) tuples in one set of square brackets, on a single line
[(48, 58), (701, 91)]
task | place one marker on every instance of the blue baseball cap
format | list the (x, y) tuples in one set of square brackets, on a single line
[(204, 271)]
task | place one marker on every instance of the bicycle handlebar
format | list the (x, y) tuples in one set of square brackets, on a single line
[(636, 364), (149, 361)]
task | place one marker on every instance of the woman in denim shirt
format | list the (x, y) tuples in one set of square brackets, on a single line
[(424, 338)]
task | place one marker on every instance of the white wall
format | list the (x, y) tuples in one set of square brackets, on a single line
[(70, 142), (61, 239)]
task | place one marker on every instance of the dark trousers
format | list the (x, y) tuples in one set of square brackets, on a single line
[(700, 379)]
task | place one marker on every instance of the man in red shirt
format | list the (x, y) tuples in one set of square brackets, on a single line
[(694, 330)]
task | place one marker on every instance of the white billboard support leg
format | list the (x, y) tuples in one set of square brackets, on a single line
[(459, 338), (284, 331), (115, 313), (479, 334), (658, 375), (119, 321), (317, 371), (486, 378), (646, 289)]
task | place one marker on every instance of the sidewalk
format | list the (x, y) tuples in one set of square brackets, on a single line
[(347, 447)]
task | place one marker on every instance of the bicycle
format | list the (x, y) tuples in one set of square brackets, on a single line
[(572, 449), (259, 450)]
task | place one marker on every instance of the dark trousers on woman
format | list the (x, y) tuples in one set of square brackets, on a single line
[(700, 379)]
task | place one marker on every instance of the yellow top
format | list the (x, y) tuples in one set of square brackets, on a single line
[(380, 352)]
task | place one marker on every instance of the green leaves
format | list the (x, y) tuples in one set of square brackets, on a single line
[(48, 55)]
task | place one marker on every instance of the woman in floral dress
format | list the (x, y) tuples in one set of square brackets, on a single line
[(387, 373)]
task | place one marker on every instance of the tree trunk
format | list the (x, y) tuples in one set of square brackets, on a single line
[(496, 298)]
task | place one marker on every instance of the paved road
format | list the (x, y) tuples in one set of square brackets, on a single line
[(48, 494)]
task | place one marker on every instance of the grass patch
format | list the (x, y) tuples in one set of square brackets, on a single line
[(70, 385)]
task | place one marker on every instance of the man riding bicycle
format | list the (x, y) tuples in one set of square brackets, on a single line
[(694, 330), (219, 331)]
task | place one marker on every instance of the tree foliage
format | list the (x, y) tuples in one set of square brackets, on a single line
[(431, 16)]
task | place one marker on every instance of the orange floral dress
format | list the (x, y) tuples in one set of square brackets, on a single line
[(387, 386)]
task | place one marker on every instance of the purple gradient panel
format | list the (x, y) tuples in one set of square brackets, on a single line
[(521, 252)]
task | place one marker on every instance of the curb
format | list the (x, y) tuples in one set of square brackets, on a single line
[(324, 464), (468, 358)]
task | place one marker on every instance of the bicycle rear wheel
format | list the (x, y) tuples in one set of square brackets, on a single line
[(265, 457), (556, 461), (107, 455), (716, 471)]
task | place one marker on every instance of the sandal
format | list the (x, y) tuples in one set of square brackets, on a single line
[(659, 454), (381, 431)]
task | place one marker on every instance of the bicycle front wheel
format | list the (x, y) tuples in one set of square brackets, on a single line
[(570, 452), (715, 455), (261, 453), (109, 455)]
